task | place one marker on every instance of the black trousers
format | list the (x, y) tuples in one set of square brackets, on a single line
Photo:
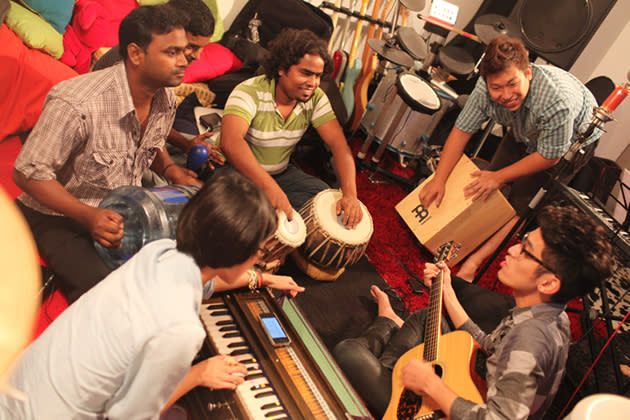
[(522, 190), (368, 360), (68, 249)]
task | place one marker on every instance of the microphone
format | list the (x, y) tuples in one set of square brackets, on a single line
[(602, 114)]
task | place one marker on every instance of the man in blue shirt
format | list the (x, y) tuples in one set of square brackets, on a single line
[(124, 349), (543, 108)]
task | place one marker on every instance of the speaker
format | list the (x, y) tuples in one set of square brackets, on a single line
[(559, 30)]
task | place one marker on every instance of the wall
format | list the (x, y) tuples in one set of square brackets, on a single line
[(607, 54)]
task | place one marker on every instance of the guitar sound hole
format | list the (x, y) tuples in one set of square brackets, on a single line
[(438, 370)]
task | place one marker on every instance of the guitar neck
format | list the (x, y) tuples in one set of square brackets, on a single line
[(434, 319), (357, 33)]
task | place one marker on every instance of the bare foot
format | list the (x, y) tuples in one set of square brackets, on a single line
[(384, 306)]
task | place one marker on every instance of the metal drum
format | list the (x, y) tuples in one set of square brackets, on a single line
[(419, 103)]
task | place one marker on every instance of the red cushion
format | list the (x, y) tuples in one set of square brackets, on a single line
[(214, 61), (26, 77)]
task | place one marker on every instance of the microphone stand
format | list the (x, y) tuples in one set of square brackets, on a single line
[(601, 115)]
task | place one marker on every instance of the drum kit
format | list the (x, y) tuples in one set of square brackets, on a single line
[(405, 108), (321, 245)]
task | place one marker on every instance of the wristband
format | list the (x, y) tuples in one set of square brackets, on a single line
[(252, 281), (166, 167)]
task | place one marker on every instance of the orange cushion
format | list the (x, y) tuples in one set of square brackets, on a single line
[(26, 77)]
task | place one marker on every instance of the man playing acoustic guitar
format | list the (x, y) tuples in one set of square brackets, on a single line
[(565, 257)]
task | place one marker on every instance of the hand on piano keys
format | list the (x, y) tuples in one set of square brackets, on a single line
[(220, 372)]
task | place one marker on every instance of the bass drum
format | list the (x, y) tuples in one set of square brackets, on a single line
[(412, 133)]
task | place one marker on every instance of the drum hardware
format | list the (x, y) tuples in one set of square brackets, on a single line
[(388, 51), (488, 27), (416, 95)]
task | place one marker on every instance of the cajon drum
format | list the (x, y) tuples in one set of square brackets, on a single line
[(458, 219)]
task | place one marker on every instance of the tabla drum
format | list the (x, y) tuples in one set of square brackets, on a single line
[(329, 243), (289, 235), (421, 109)]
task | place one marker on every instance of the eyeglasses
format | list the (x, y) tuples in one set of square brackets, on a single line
[(532, 256)]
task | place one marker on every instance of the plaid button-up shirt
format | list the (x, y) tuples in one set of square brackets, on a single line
[(557, 106), (89, 138)]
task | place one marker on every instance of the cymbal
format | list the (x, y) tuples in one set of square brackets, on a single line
[(413, 5), (390, 53), (488, 27)]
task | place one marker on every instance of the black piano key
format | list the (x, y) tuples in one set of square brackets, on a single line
[(240, 351), (231, 334), (265, 394), (254, 376), (232, 327), (225, 322), (213, 306), (274, 413), (220, 312), (237, 344)]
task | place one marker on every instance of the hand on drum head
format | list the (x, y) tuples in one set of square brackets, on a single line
[(433, 191), (483, 186), (283, 283), (279, 200), (352, 213)]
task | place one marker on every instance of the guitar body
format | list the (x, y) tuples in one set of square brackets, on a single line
[(342, 58), (456, 362), (353, 67), (337, 59), (348, 85)]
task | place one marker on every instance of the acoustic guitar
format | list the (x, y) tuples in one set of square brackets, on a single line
[(370, 63), (453, 356), (354, 65)]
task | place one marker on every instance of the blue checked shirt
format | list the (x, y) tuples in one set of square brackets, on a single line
[(557, 106), (527, 356)]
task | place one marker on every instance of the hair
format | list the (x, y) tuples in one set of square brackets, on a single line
[(288, 48), (201, 21), (142, 22), (501, 53), (226, 222), (577, 250)]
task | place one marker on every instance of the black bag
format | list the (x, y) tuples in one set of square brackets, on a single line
[(277, 15)]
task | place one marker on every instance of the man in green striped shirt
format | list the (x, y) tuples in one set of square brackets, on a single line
[(266, 116)]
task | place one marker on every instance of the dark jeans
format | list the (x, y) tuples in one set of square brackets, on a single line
[(68, 249), (523, 189), (368, 360), (299, 186)]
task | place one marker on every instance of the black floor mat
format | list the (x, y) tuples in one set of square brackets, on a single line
[(339, 309)]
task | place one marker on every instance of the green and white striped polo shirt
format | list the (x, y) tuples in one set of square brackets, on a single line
[(271, 138)]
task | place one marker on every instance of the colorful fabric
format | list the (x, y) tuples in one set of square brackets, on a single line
[(272, 138), (555, 109)]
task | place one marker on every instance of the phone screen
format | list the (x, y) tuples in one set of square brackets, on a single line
[(274, 330)]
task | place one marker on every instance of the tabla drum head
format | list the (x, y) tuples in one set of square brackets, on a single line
[(291, 232), (325, 209), (417, 93)]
